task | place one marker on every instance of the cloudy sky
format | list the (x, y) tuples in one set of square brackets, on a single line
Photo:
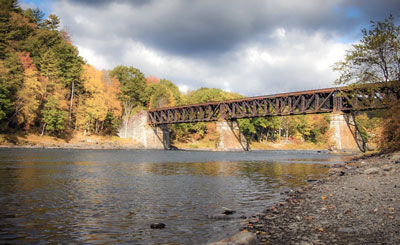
[(252, 47)]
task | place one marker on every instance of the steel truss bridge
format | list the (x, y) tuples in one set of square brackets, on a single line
[(345, 99)]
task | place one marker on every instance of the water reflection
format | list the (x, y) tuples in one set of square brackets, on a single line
[(99, 198)]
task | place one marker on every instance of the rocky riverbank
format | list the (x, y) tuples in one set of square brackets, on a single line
[(359, 203)]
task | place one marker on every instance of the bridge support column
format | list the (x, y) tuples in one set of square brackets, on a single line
[(151, 137), (341, 133), (231, 138)]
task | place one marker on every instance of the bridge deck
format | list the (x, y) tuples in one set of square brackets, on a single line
[(367, 97)]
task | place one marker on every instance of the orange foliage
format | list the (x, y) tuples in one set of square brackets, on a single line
[(152, 79), (391, 130), (26, 60)]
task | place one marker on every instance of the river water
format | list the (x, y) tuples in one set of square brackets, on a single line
[(112, 196)]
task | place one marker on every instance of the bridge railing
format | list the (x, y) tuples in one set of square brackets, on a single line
[(366, 97)]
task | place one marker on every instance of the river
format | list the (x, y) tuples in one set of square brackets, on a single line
[(112, 196)]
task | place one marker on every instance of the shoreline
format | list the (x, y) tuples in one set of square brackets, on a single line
[(135, 147), (358, 203), (78, 141)]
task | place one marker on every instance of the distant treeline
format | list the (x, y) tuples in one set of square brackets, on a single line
[(47, 88)]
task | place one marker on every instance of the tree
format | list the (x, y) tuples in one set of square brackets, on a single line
[(54, 116), (5, 98), (98, 102), (52, 22), (376, 58), (28, 99), (133, 90), (35, 16), (71, 66)]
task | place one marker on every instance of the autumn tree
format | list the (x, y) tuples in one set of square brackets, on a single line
[(99, 100), (29, 96), (376, 59), (133, 90), (163, 94)]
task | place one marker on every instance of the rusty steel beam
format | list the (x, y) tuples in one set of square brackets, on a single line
[(346, 99)]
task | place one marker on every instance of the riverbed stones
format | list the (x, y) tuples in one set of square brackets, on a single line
[(359, 207)]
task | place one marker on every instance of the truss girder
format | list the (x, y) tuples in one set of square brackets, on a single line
[(346, 99)]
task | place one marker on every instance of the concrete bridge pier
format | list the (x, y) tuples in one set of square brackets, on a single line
[(342, 135), (151, 137), (231, 138)]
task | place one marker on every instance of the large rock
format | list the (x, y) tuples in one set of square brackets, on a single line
[(386, 167), (373, 170), (241, 238)]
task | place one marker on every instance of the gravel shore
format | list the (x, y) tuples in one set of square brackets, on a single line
[(359, 203)]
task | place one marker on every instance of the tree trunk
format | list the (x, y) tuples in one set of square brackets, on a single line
[(70, 105), (126, 126), (128, 106), (44, 126), (102, 126)]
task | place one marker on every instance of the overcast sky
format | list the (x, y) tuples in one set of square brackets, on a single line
[(252, 47)]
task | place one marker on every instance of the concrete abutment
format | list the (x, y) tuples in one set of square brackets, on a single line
[(230, 137), (150, 137), (341, 133)]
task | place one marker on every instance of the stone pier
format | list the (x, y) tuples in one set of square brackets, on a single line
[(341, 133), (231, 139), (150, 137)]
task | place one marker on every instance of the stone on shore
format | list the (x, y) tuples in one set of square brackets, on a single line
[(373, 170), (386, 167), (241, 238)]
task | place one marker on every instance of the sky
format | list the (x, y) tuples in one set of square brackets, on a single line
[(251, 47)]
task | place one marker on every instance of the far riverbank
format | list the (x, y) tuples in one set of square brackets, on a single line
[(79, 141)]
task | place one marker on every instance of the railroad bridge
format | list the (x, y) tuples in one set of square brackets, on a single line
[(151, 128)]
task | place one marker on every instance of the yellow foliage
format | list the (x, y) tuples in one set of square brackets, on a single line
[(28, 98), (92, 82), (99, 99), (112, 102)]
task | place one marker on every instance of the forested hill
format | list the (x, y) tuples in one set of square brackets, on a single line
[(46, 88)]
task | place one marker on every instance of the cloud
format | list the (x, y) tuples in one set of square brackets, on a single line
[(251, 47)]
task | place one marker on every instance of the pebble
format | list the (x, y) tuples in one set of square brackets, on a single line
[(345, 230)]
